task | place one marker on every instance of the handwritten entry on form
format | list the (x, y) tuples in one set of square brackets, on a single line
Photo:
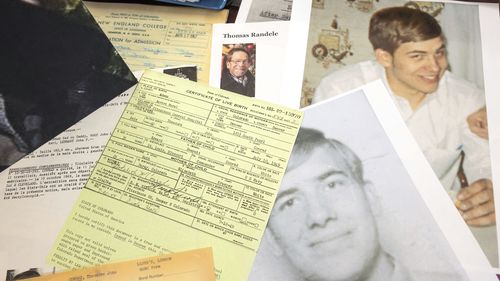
[(195, 265), (148, 36), (186, 167)]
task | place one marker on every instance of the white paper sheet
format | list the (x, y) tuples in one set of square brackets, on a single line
[(279, 59), (38, 192), (250, 10), (31, 224), (262, 10), (269, 50)]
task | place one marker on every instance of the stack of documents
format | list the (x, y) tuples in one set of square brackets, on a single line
[(275, 148)]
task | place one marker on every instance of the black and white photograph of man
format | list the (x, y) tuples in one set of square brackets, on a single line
[(322, 219), (347, 208)]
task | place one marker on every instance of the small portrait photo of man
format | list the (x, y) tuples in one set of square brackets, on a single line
[(238, 68)]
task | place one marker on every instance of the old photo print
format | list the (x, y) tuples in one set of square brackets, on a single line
[(57, 67), (356, 201), (238, 74), (349, 44)]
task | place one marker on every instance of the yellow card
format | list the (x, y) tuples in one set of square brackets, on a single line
[(195, 265), (148, 36), (187, 166)]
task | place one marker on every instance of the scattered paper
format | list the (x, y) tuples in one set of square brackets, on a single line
[(265, 43), (187, 166), (195, 265), (262, 10), (53, 175), (149, 36)]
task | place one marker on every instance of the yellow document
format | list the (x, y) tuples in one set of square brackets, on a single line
[(195, 265), (148, 36), (187, 166)]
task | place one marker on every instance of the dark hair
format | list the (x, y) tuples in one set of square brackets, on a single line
[(31, 273), (229, 55), (391, 27), (308, 140)]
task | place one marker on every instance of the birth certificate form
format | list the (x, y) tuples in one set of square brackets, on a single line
[(186, 167)]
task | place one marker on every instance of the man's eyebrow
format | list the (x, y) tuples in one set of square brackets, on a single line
[(320, 177), (331, 173), (286, 192), (442, 47)]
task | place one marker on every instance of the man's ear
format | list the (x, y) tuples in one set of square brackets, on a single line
[(373, 199), (383, 57), (273, 244)]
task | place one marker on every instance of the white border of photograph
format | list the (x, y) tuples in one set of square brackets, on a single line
[(490, 28), (296, 55), (243, 11)]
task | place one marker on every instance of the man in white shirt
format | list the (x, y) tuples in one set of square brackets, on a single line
[(411, 59), (478, 123)]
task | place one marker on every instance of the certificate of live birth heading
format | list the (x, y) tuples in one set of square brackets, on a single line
[(195, 265), (149, 36), (186, 167)]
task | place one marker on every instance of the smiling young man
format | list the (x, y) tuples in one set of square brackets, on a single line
[(322, 221), (411, 60), (236, 77)]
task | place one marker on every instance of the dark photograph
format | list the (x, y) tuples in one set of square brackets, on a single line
[(57, 67), (13, 274)]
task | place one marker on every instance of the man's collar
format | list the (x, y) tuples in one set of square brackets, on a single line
[(428, 97), (243, 80)]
